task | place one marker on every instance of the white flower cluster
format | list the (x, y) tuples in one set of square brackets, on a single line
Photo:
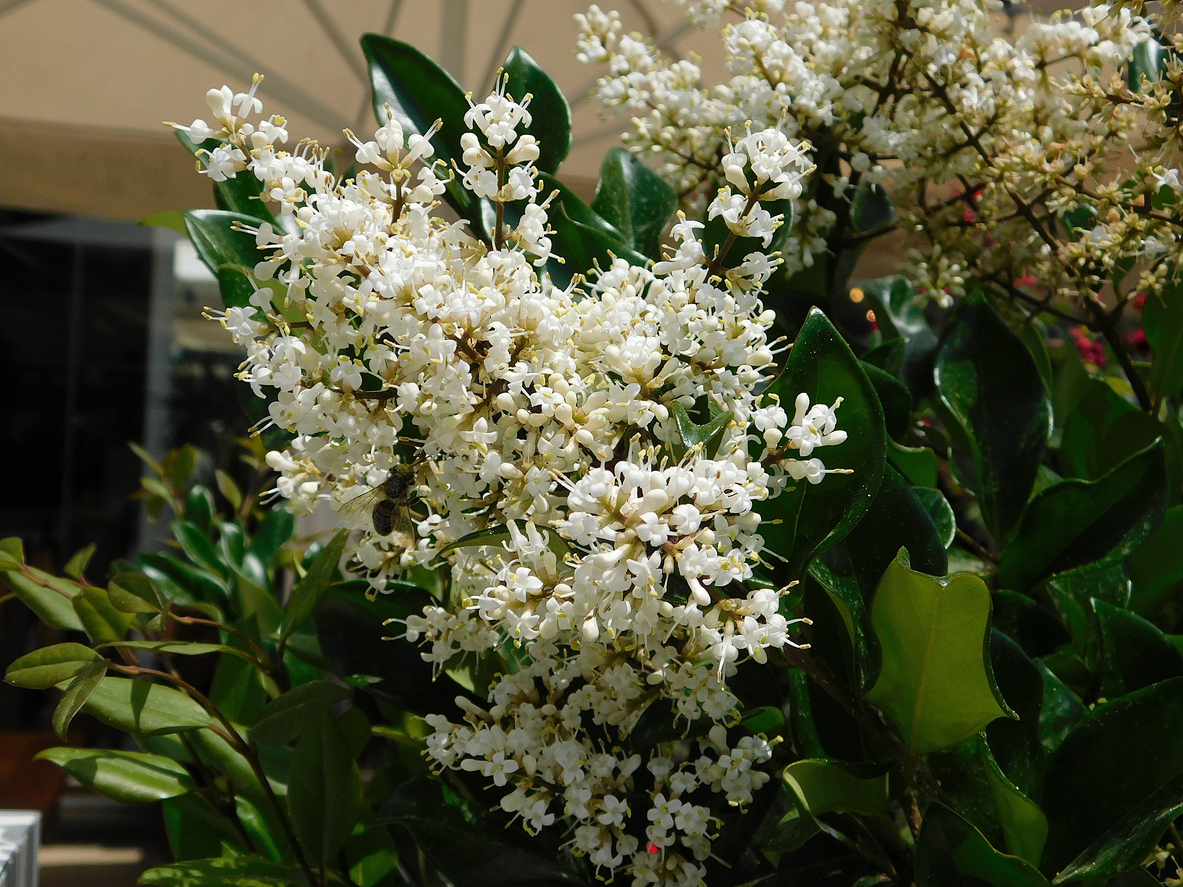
[(618, 561), (983, 139)]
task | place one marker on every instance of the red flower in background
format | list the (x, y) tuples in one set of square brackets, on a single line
[(1093, 352)]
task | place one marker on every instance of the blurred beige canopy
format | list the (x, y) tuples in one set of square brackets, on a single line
[(87, 83)]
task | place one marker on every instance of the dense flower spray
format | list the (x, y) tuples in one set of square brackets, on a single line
[(616, 559), (991, 146)]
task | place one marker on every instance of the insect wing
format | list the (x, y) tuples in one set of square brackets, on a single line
[(361, 506)]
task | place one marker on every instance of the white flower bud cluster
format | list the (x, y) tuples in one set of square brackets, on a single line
[(927, 97), (619, 561)]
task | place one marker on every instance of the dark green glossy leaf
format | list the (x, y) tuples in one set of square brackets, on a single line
[(466, 854), (125, 776), (273, 531), (1061, 710), (813, 517), (987, 379), (309, 590), (1034, 336), (77, 692), (989, 801), (352, 641), (835, 574), (489, 536), (635, 200), (195, 830), (198, 547), (1162, 317), (1129, 748), (660, 723), (135, 706), (1080, 522), (1015, 745), (239, 690), (1134, 653), (230, 254), (199, 507), (372, 855), (224, 871), (895, 519), (324, 790), (1129, 840), (1102, 431), (551, 123), (182, 582), (899, 316), (1156, 569), (871, 207), (583, 238), (292, 713), (936, 681), (420, 92), (52, 605), (941, 513), (693, 435), (49, 666), (895, 398), (917, 464), (1036, 629), (952, 853), (1149, 61), (102, 622), (887, 356), (241, 194)]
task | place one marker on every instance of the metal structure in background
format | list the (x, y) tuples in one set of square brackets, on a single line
[(20, 836), (96, 123)]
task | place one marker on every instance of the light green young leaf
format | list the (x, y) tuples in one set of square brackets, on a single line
[(936, 681)]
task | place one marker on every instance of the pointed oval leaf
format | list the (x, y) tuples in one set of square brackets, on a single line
[(49, 666), (468, 854), (76, 565), (78, 691), (12, 552), (952, 853), (126, 776), (551, 116), (1098, 523), (987, 379), (324, 790), (103, 623), (1134, 653), (1128, 749), (936, 682), (229, 253), (813, 517), (224, 871), (309, 590), (635, 200), (52, 605), (292, 713), (133, 593), (139, 707), (1127, 843)]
